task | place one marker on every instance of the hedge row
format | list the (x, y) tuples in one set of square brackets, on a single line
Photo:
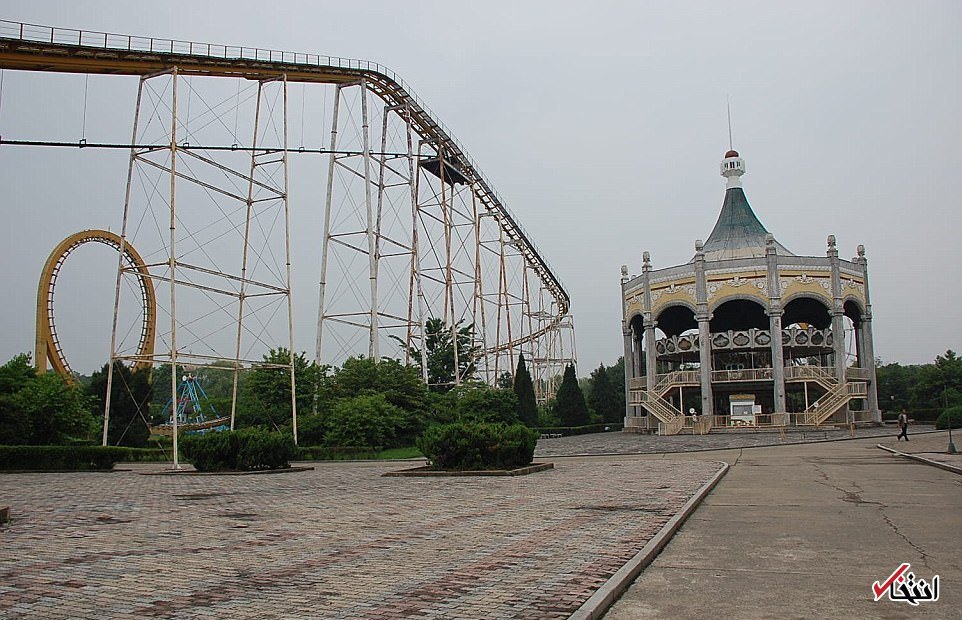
[(79, 458), (475, 446), (567, 431), (248, 449), (918, 415)]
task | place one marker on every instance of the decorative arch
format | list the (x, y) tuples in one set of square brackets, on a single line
[(808, 309), (739, 314), (677, 318), (750, 297), (634, 314), (853, 309), (47, 342)]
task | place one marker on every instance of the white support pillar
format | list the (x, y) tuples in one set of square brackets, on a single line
[(373, 349), (326, 237), (242, 294), (120, 262), (172, 262)]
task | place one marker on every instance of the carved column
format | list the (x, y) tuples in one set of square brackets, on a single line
[(838, 311), (868, 346), (630, 371), (704, 331), (649, 342), (775, 324)]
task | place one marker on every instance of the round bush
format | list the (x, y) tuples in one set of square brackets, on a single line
[(475, 446), (951, 415), (247, 449)]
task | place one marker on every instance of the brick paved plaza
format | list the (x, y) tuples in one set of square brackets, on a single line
[(336, 542)]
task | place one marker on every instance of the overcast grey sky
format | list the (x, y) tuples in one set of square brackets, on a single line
[(601, 124)]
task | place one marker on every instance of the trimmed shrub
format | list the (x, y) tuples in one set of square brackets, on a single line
[(72, 458), (923, 415), (247, 449), (215, 451), (261, 450), (474, 446), (951, 415)]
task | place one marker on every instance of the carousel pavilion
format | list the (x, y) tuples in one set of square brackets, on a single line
[(747, 333)]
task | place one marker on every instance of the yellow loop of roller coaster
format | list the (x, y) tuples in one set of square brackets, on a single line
[(48, 343)]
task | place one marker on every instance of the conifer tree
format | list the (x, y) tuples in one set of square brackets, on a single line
[(524, 388), (570, 402), (603, 396)]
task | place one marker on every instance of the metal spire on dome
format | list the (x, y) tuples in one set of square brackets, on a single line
[(738, 233), (730, 143)]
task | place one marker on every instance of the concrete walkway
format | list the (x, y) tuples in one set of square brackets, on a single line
[(616, 442), (803, 531)]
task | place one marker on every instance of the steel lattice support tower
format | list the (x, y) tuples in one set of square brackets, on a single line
[(222, 266)]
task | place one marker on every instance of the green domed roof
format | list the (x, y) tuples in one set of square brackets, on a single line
[(738, 233)]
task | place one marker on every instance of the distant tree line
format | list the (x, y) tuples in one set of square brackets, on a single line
[(920, 387), (363, 403)]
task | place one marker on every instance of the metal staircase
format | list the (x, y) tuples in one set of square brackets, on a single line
[(672, 380), (833, 400), (670, 419)]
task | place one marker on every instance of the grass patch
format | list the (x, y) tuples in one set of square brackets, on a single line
[(354, 453), (410, 452)]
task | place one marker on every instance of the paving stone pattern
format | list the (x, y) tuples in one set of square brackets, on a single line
[(336, 542)]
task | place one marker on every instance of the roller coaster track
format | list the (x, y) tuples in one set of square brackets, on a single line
[(30, 47), (48, 343)]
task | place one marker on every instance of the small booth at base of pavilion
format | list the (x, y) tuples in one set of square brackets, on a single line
[(743, 410)]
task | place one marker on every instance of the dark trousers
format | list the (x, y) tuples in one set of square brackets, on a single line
[(904, 432)]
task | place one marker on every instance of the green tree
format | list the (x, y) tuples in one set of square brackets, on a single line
[(616, 376), (16, 373), (58, 411), (400, 384), (938, 384), (14, 421), (894, 383), (570, 404), (478, 402), (603, 396), (368, 420), (40, 409), (524, 389), (266, 396), (130, 396), (440, 341)]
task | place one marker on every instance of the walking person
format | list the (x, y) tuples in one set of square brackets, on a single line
[(903, 426)]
